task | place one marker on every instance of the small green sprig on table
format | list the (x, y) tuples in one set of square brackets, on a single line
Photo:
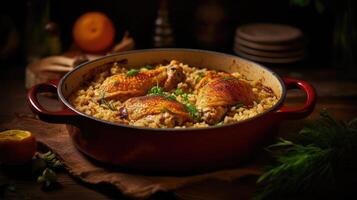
[(321, 164), (46, 165)]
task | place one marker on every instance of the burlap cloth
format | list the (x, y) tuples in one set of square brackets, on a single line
[(138, 186)]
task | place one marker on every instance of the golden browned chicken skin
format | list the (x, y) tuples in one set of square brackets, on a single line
[(154, 110), (122, 87), (218, 91)]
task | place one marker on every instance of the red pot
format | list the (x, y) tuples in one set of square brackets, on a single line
[(172, 150)]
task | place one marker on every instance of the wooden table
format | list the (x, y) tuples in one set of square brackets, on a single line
[(336, 93)]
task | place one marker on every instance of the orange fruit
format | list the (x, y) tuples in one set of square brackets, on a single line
[(93, 32), (16, 147)]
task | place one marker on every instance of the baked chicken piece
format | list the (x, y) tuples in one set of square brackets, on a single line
[(154, 111), (218, 91), (122, 87)]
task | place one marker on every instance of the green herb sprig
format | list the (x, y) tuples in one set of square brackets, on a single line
[(189, 107), (180, 92), (51, 160), (322, 162), (132, 72), (47, 178), (228, 78), (157, 90), (44, 166), (238, 105), (148, 67), (193, 111), (200, 76), (105, 104)]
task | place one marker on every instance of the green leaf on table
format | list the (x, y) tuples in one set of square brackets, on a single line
[(51, 160)]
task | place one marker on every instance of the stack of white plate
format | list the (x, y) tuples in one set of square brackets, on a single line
[(269, 43)]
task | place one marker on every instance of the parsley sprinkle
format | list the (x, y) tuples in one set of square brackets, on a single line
[(149, 67), (156, 90), (170, 97), (178, 91), (132, 72), (238, 105), (193, 111), (106, 103), (228, 78), (200, 76)]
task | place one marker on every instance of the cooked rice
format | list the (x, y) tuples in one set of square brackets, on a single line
[(85, 100)]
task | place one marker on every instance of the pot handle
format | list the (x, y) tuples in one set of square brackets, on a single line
[(63, 116), (298, 112)]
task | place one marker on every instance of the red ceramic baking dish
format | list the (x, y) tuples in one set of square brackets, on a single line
[(167, 149)]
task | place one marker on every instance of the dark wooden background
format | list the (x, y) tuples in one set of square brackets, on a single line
[(138, 17)]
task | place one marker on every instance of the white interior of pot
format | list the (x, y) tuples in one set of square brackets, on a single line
[(195, 58)]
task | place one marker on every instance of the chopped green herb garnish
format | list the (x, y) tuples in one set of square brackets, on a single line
[(200, 77), (170, 97), (149, 67), (189, 107), (106, 103), (178, 91), (185, 97), (229, 78), (47, 178), (156, 90), (219, 123), (132, 72), (163, 110), (238, 105), (51, 160), (201, 74), (48, 163), (193, 111)]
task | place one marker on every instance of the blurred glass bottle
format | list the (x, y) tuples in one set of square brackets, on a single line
[(163, 35), (42, 37), (211, 25)]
